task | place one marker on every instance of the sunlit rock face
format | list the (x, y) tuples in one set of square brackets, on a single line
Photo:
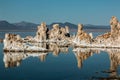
[(54, 32), (112, 38), (115, 31), (12, 41), (103, 39), (59, 33), (62, 37), (41, 34), (115, 27), (29, 38), (82, 37)]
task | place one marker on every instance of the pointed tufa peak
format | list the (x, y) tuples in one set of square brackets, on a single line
[(80, 26), (67, 29), (115, 27), (43, 24), (114, 20), (82, 36), (55, 26), (91, 35)]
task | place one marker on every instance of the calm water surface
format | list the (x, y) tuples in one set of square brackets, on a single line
[(61, 64)]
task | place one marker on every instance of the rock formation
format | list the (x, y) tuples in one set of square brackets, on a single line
[(61, 36), (112, 38), (13, 41), (59, 33), (82, 37), (41, 34), (115, 27), (54, 32), (67, 33)]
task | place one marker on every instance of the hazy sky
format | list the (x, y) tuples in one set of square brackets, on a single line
[(74, 11)]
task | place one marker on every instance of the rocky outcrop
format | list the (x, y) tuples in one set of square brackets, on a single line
[(62, 37), (13, 42), (59, 33), (41, 34), (115, 27), (112, 38), (82, 36)]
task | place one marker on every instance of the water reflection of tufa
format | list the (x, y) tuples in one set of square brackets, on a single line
[(82, 54), (114, 55), (14, 59), (56, 49)]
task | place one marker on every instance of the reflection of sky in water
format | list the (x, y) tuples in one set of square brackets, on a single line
[(61, 66)]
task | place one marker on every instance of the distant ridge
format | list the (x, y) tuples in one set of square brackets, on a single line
[(24, 25), (5, 25)]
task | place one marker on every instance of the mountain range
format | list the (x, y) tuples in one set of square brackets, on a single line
[(5, 25)]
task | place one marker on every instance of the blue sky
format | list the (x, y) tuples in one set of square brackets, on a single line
[(96, 12)]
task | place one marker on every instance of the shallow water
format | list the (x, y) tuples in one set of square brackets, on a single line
[(61, 64)]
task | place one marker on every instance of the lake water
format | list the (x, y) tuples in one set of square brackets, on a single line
[(61, 64)]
